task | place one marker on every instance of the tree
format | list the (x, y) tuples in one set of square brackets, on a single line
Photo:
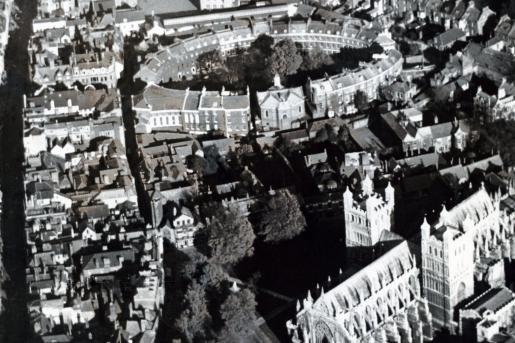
[(227, 238), (361, 100), (263, 44), (239, 313), (257, 71), (285, 59), (209, 61), (194, 319), (282, 218), (212, 275), (235, 70), (315, 59)]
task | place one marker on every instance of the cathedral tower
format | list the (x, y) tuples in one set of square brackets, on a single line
[(447, 270), (367, 216)]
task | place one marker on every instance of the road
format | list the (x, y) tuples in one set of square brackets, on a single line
[(14, 322)]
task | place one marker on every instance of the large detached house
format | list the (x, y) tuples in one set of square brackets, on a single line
[(281, 108), (399, 131)]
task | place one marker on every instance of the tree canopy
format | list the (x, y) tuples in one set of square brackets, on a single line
[(285, 59), (195, 318), (239, 313), (282, 218), (210, 61), (227, 238), (263, 44), (315, 59), (360, 100)]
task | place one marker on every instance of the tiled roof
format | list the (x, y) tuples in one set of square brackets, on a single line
[(90, 260), (492, 300)]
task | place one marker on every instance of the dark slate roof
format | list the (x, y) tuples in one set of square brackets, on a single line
[(493, 300), (90, 260)]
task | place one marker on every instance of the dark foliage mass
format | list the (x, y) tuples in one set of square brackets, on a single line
[(498, 136), (227, 238), (257, 65), (238, 314), (282, 218)]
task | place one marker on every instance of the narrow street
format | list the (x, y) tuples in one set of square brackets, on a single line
[(14, 322)]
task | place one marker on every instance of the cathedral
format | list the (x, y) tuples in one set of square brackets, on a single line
[(412, 287), (380, 303)]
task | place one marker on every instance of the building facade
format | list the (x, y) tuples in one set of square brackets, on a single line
[(380, 303), (87, 69), (452, 249), (367, 215), (281, 108), (192, 111), (335, 95), (218, 4)]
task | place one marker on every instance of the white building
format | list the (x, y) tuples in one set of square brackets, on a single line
[(218, 4), (281, 108), (380, 303), (367, 216), (181, 229), (87, 69), (335, 95), (453, 247), (192, 111)]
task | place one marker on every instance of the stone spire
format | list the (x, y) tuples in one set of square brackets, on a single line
[(367, 185), (425, 228)]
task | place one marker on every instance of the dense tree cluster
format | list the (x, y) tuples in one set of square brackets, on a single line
[(285, 59), (315, 59), (282, 218), (210, 61), (196, 163), (351, 57), (503, 131), (361, 100), (228, 237), (195, 319), (208, 308), (238, 313), (258, 64), (210, 311)]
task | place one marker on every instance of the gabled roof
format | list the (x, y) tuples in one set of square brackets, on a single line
[(476, 207), (492, 300), (91, 260), (99, 211), (449, 36), (274, 97)]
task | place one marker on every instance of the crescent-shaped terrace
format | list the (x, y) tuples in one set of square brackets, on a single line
[(332, 95)]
